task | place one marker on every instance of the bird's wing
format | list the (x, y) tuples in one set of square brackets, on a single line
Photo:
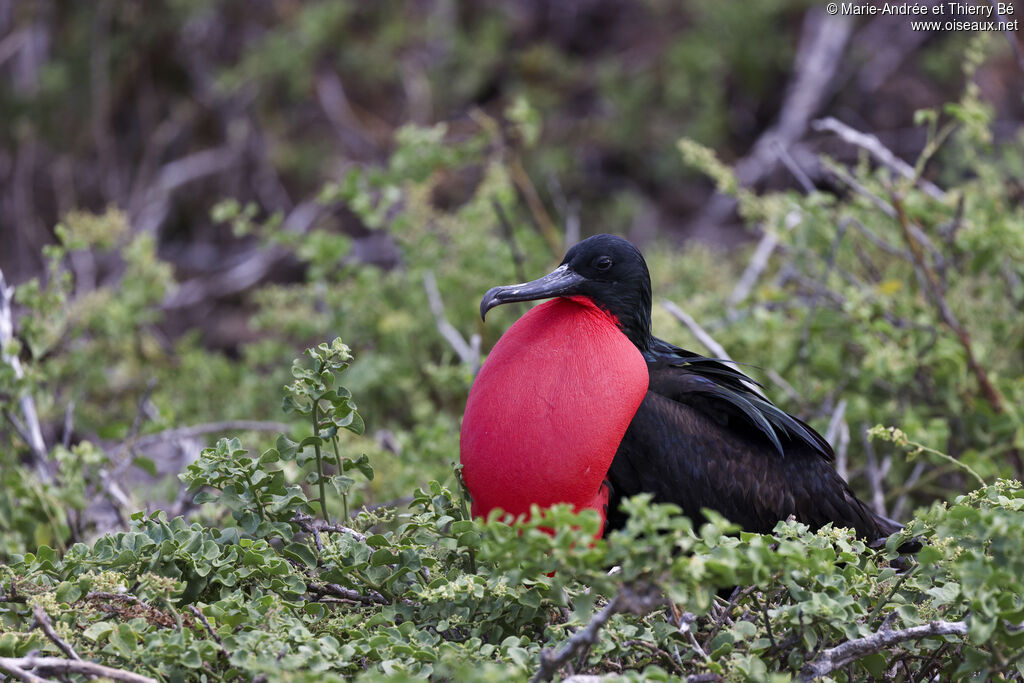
[(699, 444), (725, 394)]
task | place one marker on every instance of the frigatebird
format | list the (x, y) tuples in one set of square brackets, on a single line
[(580, 403)]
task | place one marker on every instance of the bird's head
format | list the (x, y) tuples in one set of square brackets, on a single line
[(606, 269)]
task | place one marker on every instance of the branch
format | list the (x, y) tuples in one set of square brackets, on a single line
[(822, 43), (838, 436), (628, 599), (251, 269), (697, 331), (33, 434), (880, 152), (21, 667), (704, 338), (837, 657), (310, 525), (374, 598), (948, 317), (209, 629), (43, 621), (469, 353)]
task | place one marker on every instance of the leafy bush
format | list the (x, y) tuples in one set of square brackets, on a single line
[(892, 302), (426, 590)]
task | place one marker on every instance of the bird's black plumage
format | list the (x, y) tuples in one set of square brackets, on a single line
[(703, 437)]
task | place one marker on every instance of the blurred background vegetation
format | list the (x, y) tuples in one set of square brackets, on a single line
[(192, 192)]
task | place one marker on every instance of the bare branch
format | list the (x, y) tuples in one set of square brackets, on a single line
[(468, 353), (374, 598), (879, 151), (11, 668), (837, 657), (875, 476), (716, 349), (21, 667), (32, 432), (948, 317), (834, 432), (822, 43), (793, 167), (69, 423), (310, 525), (518, 259), (43, 621), (640, 601), (786, 387), (209, 629), (758, 262), (842, 174), (249, 270), (153, 203)]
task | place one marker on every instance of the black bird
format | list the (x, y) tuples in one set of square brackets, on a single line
[(580, 403)]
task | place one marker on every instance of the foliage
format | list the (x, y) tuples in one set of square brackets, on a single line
[(426, 589), (864, 305)]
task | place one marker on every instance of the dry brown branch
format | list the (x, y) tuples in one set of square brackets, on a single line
[(21, 667), (946, 313), (837, 657), (541, 219), (635, 600)]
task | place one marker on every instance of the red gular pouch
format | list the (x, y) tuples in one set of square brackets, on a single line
[(548, 410)]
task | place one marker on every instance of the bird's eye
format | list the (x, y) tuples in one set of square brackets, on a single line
[(603, 263)]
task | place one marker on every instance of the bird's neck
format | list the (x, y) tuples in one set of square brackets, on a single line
[(633, 318)]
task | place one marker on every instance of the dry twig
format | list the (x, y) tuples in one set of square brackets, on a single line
[(640, 601), (310, 524), (43, 621), (948, 317), (30, 429), (22, 668), (822, 43), (333, 589), (837, 657), (468, 352), (879, 151)]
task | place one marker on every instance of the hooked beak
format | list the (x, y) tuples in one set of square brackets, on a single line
[(559, 282)]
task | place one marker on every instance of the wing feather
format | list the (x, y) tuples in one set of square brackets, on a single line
[(701, 444)]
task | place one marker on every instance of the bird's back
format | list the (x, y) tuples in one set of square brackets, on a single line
[(702, 438)]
